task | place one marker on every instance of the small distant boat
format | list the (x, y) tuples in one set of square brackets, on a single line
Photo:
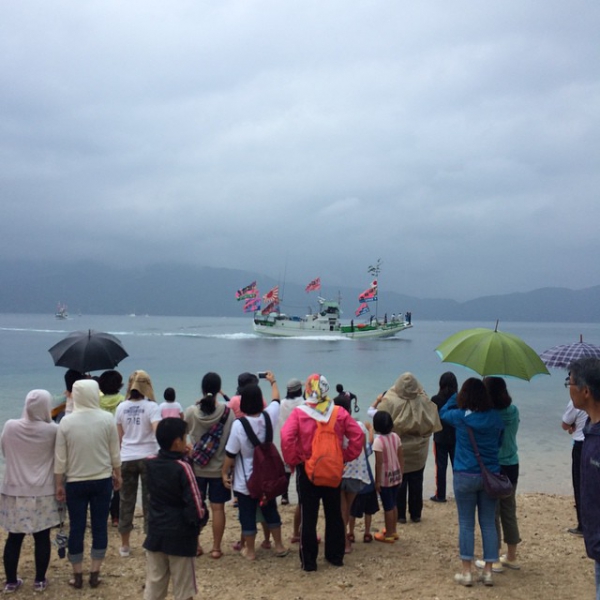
[(61, 311), (269, 320)]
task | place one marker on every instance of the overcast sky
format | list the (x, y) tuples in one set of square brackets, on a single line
[(457, 141)]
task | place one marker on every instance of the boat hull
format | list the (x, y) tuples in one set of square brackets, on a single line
[(307, 328)]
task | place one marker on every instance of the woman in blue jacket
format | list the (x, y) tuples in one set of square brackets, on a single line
[(472, 408)]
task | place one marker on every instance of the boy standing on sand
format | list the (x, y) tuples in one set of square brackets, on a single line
[(584, 388), (174, 517)]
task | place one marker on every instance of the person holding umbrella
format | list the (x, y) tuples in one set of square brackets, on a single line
[(87, 458), (472, 411)]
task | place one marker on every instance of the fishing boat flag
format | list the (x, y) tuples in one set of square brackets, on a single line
[(370, 294), (362, 309), (271, 307), (249, 291), (252, 305), (272, 295), (314, 285)]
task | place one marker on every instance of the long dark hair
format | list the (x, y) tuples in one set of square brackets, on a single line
[(211, 386), (448, 385), (473, 396), (496, 388)]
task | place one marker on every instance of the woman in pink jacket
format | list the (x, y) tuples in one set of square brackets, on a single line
[(296, 445)]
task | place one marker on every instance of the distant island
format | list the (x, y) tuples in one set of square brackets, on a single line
[(180, 290)]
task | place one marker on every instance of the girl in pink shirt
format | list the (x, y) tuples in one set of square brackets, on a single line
[(389, 464)]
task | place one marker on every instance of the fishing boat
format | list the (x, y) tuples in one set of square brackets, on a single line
[(326, 322), (61, 311)]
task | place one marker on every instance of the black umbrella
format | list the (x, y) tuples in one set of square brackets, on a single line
[(86, 351)]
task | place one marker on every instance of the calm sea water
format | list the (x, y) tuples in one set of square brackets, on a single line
[(177, 351)]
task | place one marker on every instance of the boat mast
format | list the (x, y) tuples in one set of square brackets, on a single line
[(374, 271)]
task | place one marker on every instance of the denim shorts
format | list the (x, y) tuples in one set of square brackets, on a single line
[(388, 496), (352, 486), (217, 492)]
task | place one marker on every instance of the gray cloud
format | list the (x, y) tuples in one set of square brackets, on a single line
[(459, 142)]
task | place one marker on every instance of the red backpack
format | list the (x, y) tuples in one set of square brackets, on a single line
[(326, 463), (268, 478)]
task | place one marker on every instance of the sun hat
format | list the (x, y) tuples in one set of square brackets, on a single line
[(140, 381)]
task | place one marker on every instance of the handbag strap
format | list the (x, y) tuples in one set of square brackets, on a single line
[(475, 448)]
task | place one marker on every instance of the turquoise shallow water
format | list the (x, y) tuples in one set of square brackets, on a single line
[(177, 351)]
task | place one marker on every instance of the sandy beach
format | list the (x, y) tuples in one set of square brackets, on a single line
[(420, 566)]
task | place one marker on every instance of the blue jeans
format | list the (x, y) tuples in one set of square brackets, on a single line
[(96, 494), (470, 495), (247, 511)]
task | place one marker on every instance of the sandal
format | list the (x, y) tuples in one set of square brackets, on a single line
[(350, 538), (77, 581), (95, 580), (266, 545), (381, 537), (237, 546), (199, 551), (367, 538), (216, 554), (295, 539)]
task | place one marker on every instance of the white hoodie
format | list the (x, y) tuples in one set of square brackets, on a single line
[(87, 444)]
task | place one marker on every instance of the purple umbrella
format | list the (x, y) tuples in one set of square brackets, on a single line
[(562, 356)]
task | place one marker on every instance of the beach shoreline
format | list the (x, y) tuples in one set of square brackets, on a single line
[(421, 565)]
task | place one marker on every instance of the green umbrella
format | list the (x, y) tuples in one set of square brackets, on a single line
[(492, 352)]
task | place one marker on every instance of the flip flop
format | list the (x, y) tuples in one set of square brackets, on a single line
[(295, 539), (350, 537), (367, 538), (283, 553), (199, 551), (216, 554), (266, 544)]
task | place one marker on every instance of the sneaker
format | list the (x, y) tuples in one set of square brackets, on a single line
[(465, 579), (40, 586), (496, 567), (509, 564), (9, 588), (436, 499), (487, 578), (125, 551), (576, 531)]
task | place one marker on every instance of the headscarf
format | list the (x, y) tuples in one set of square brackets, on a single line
[(318, 404), (140, 381)]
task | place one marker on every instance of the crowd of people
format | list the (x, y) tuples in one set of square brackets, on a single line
[(191, 462)]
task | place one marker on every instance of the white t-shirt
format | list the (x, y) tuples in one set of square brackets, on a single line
[(136, 418), (239, 444), (170, 409)]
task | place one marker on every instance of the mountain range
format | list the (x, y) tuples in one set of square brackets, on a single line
[(175, 289)]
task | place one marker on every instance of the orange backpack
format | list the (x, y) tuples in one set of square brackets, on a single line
[(326, 463)]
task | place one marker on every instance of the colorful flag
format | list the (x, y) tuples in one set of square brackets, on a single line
[(272, 295), (362, 309), (249, 291), (314, 285), (272, 307), (369, 295), (252, 305)]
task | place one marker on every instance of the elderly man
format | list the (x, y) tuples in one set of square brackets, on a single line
[(584, 388)]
